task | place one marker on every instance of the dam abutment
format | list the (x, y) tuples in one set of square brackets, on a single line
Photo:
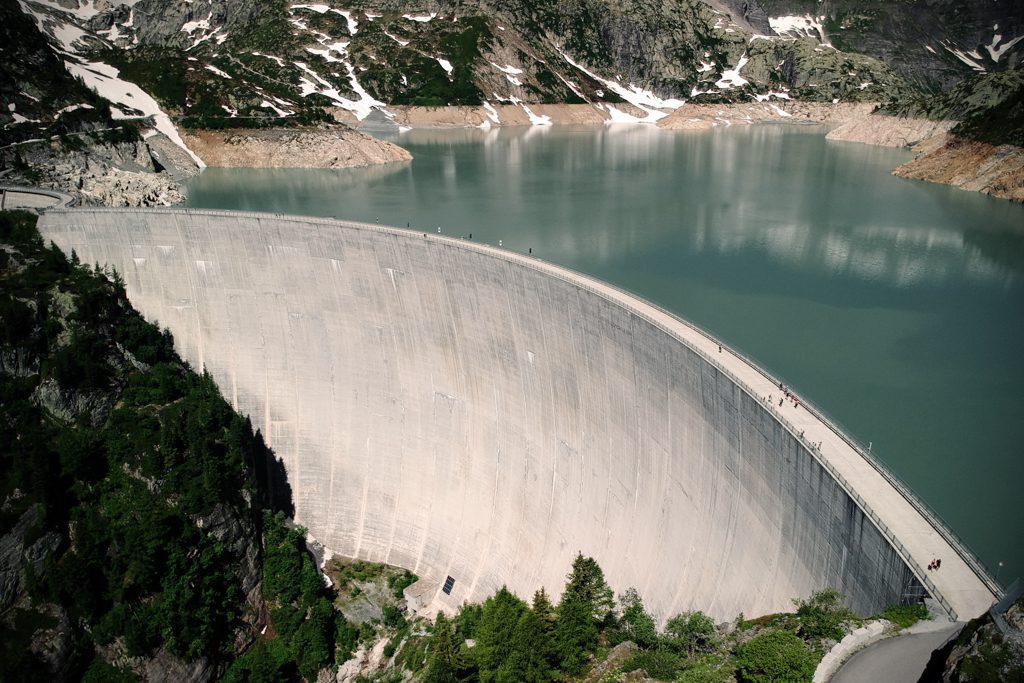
[(466, 412)]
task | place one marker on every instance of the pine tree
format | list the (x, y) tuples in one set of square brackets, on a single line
[(501, 612), (575, 633), (447, 662), (586, 583), (530, 660), (543, 608)]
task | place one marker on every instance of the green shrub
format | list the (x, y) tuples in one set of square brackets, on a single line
[(775, 657), (822, 616), (690, 632), (661, 664), (905, 616)]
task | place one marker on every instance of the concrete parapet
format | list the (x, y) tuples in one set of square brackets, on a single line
[(465, 412), (856, 640)]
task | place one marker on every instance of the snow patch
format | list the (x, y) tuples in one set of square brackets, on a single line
[(280, 62), (191, 27), (122, 94), (492, 113), (800, 26), (534, 119), (507, 69), (319, 9), (965, 57), (423, 18), (205, 31), (618, 116), (768, 95), (731, 77), (398, 40), (326, 52), (446, 65), (353, 25), (270, 105), (645, 100), (997, 52), (211, 67), (65, 110)]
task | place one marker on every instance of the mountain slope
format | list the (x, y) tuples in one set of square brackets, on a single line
[(226, 63)]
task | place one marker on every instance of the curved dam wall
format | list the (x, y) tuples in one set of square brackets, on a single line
[(460, 411)]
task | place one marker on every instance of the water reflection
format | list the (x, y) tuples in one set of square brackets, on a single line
[(594, 195)]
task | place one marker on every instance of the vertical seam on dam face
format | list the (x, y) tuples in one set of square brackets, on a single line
[(462, 411)]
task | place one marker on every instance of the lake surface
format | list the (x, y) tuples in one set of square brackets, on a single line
[(894, 305)]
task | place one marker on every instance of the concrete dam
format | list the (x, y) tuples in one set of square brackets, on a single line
[(479, 417)]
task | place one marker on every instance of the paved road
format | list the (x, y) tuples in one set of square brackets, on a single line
[(894, 660)]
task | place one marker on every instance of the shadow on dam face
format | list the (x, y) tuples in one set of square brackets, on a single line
[(467, 413)]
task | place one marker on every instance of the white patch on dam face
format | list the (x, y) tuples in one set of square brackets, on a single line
[(495, 417)]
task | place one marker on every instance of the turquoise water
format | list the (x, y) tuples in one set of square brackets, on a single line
[(896, 306)]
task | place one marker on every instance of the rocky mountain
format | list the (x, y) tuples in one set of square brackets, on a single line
[(216, 63), (932, 44), (163, 65)]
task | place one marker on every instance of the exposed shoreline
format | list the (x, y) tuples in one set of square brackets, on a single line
[(942, 157), (118, 178), (291, 148)]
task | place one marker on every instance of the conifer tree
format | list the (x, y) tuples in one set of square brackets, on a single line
[(575, 633), (586, 583), (447, 662), (545, 611), (498, 619), (532, 654)]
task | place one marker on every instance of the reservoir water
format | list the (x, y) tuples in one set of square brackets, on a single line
[(895, 306)]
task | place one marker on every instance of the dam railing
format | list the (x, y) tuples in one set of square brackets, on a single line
[(567, 275)]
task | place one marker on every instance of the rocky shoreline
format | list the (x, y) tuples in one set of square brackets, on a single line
[(996, 170), (291, 148), (942, 157)]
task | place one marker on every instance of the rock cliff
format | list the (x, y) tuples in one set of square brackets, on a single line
[(932, 44)]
